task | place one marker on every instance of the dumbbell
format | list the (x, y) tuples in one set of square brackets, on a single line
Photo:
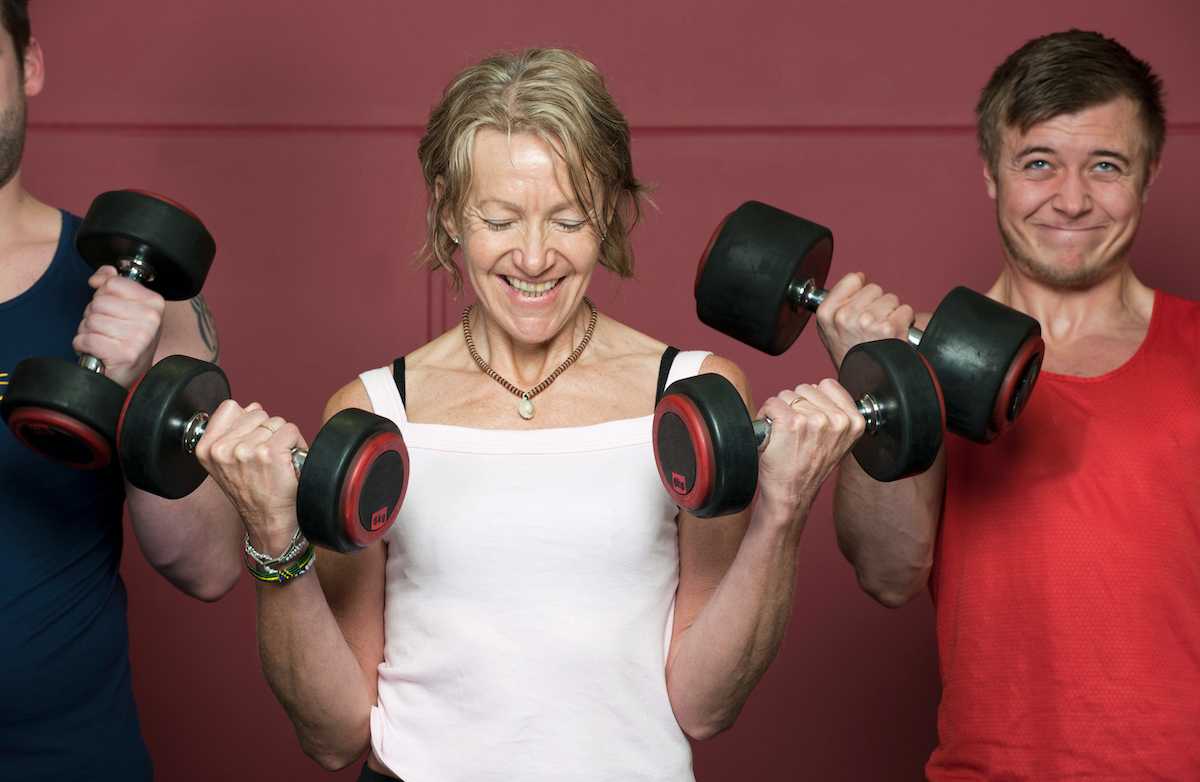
[(68, 411), (706, 446), (761, 275), (352, 480)]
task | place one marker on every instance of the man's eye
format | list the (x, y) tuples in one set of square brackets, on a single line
[(1038, 165)]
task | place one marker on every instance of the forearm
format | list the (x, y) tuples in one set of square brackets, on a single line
[(194, 542), (736, 636), (313, 671), (888, 530), (321, 633)]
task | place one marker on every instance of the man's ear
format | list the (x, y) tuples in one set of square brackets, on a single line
[(35, 68), (1151, 174), (991, 182)]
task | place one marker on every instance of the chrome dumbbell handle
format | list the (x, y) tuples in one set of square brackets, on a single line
[(871, 411), (199, 422), (762, 433)]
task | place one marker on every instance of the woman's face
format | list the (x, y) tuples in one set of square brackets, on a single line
[(528, 247)]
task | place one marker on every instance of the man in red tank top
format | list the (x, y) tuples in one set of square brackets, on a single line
[(1064, 558)]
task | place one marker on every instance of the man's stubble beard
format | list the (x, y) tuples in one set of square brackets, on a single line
[(1077, 279), (12, 139)]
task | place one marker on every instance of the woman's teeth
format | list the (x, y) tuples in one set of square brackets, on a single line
[(531, 289)]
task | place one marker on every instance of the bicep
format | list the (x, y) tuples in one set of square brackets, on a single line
[(189, 329), (354, 588), (707, 547), (355, 584)]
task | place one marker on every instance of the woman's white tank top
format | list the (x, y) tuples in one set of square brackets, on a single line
[(531, 580)]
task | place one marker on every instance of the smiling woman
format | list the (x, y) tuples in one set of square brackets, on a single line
[(558, 97), (529, 248), (540, 609)]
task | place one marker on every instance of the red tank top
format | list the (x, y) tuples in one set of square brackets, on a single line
[(1067, 577)]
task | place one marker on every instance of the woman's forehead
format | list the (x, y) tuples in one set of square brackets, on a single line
[(522, 153), (518, 166)]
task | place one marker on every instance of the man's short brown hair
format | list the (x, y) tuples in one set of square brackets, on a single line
[(1066, 73), (14, 14)]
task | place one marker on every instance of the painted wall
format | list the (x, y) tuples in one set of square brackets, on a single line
[(290, 127)]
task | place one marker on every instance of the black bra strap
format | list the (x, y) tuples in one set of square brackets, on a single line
[(398, 376), (664, 370)]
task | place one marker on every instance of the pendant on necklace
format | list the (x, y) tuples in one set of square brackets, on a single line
[(525, 407)]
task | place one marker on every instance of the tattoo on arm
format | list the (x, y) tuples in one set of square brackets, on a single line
[(208, 327)]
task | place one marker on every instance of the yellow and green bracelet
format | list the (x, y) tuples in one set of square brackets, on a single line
[(295, 570)]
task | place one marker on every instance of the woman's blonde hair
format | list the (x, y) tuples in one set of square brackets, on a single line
[(562, 98)]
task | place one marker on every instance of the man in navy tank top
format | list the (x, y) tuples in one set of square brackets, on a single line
[(1062, 558), (66, 707)]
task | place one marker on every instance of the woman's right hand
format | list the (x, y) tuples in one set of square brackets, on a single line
[(249, 454)]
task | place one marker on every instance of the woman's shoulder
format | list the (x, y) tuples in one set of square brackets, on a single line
[(616, 340), (353, 394), (727, 369), (629, 344), (730, 371), (356, 394)]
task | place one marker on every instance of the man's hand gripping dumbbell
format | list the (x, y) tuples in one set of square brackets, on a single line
[(761, 276)]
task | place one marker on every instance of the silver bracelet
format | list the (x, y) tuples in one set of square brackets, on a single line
[(294, 549)]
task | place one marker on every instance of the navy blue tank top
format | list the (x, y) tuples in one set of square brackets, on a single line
[(66, 706)]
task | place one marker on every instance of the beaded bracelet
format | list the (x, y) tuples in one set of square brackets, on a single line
[(295, 570), (293, 550)]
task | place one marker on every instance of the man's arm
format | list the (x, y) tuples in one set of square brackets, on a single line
[(886, 530), (195, 542)]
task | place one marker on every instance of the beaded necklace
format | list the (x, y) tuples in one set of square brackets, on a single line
[(525, 406)]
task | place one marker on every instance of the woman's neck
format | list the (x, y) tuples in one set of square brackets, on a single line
[(521, 363)]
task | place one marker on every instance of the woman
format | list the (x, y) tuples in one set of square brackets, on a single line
[(540, 609)]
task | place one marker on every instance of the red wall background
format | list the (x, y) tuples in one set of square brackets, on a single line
[(290, 127)]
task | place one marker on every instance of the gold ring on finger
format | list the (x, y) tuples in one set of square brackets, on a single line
[(792, 404)]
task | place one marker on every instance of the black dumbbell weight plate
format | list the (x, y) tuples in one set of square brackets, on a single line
[(987, 357), (122, 224), (757, 255), (704, 446), (912, 413), (63, 411), (353, 481), (154, 424)]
